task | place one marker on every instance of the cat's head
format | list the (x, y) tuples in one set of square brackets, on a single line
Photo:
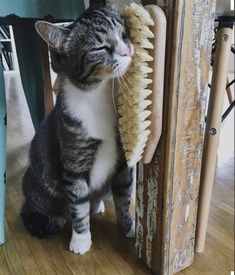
[(94, 48)]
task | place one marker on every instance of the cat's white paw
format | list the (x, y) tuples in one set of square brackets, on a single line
[(101, 208), (80, 243), (131, 233)]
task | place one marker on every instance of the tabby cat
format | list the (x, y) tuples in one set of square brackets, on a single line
[(76, 157)]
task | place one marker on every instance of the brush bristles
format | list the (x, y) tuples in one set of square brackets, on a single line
[(133, 92)]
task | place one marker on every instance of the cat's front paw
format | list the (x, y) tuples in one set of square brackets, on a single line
[(80, 243), (131, 233)]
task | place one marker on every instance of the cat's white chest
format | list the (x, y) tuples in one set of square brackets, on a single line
[(95, 110)]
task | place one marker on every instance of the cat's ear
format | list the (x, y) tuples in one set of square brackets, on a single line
[(52, 34), (118, 6)]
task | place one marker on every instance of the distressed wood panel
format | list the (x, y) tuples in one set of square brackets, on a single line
[(167, 189)]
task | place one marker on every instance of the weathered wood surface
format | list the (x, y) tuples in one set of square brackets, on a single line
[(212, 133), (167, 189)]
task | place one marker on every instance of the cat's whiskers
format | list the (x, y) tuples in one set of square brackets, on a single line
[(115, 71), (120, 87), (114, 99), (127, 80), (107, 67), (124, 82)]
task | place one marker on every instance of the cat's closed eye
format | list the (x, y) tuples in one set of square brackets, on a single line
[(108, 49)]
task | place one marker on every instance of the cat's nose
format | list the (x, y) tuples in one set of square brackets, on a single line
[(126, 52)]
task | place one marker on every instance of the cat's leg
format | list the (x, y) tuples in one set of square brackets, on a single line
[(78, 154), (37, 210), (121, 189), (77, 194), (97, 207), (38, 223)]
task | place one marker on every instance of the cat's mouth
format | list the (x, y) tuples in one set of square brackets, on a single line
[(121, 71), (122, 66)]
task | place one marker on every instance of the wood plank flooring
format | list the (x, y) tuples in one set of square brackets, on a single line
[(110, 253)]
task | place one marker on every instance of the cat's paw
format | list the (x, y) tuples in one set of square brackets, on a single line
[(80, 243), (131, 233), (101, 208)]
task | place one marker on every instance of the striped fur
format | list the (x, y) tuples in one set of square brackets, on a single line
[(91, 51), (75, 157)]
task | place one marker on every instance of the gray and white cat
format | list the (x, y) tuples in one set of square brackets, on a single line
[(76, 157)]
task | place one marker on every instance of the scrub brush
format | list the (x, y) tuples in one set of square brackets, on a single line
[(140, 90)]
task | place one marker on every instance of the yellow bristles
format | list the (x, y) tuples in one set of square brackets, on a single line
[(133, 92)]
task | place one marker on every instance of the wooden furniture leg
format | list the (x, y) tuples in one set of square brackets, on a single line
[(215, 109), (2, 153), (167, 189), (229, 93)]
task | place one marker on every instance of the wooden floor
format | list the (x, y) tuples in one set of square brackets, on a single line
[(110, 254)]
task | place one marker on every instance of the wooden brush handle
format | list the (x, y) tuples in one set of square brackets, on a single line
[(157, 76)]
